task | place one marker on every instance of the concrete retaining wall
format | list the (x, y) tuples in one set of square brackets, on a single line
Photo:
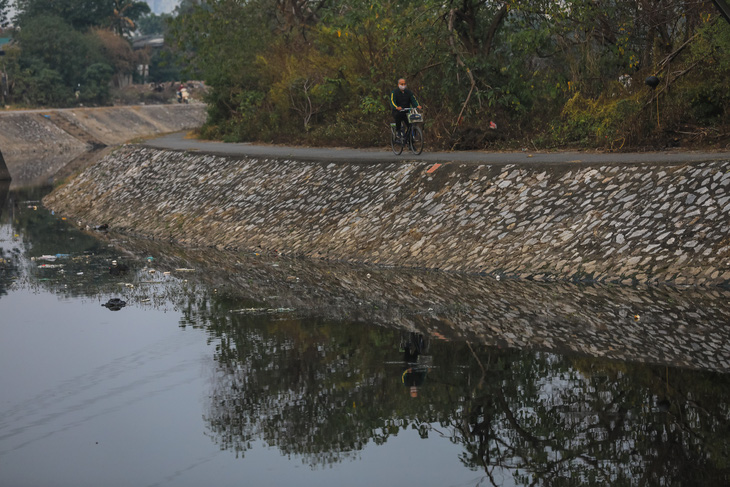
[(608, 223), (38, 143)]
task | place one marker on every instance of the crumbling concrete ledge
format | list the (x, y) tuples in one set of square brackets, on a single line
[(631, 223)]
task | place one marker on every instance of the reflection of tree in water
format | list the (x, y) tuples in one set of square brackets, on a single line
[(9, 251), (314, 389), (8, 269), (323, 390), (561, 421)]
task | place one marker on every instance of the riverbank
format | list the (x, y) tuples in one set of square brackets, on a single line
[(657, 223), (37, 144)]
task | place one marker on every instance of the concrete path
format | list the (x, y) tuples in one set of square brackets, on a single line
[(178, 141)]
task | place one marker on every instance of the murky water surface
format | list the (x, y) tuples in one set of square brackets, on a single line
[(246, 369)]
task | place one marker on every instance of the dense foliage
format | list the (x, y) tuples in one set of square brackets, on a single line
[(548, 73), (70, 51)]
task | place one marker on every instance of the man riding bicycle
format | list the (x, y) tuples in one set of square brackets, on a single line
[(401, 99)]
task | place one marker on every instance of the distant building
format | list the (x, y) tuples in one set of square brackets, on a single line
[(152, 44)]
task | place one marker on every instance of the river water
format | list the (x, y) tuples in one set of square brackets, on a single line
[(258, 369)]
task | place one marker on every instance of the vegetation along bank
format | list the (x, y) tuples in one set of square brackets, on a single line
[(549, 74)]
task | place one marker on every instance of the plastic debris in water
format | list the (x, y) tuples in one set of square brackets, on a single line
[(118, 269), (114, 304)]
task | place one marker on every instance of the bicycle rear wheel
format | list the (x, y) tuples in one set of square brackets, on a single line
[(416, 141), (395, 143)]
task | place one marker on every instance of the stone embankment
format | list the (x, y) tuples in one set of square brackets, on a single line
[(632, 223), (37, 144)]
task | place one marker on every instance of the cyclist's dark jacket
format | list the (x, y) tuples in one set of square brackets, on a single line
[(403, 99)]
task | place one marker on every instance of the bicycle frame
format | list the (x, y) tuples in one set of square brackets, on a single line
[(408, 135)]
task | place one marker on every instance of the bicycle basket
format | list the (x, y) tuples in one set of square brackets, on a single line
[(415, 117)]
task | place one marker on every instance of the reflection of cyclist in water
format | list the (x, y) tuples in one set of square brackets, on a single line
[(415, 375)]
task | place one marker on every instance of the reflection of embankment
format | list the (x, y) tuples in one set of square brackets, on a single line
[(322, 383), (661, 325)]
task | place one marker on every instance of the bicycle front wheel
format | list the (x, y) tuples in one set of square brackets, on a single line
[(396, 144), (416, 139)]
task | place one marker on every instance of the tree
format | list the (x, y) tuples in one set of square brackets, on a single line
[(125, 14), (82, 15), (79, 14), (4, 13), (119, 54), (153, 24), (548, 70), (54, 62)]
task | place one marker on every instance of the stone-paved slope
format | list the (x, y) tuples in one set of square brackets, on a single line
[(615, 223)]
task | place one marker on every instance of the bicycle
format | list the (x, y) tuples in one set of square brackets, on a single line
[(413, 136)]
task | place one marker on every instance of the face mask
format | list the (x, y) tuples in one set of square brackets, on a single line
[(402, 87)]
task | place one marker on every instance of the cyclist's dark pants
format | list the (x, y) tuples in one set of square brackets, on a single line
[(399, 117)]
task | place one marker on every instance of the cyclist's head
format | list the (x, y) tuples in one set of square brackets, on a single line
[(402, 83)]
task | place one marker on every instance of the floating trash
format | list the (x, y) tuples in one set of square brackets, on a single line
[(262, 310), (184, 269), (114, 304), (118, 269)]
